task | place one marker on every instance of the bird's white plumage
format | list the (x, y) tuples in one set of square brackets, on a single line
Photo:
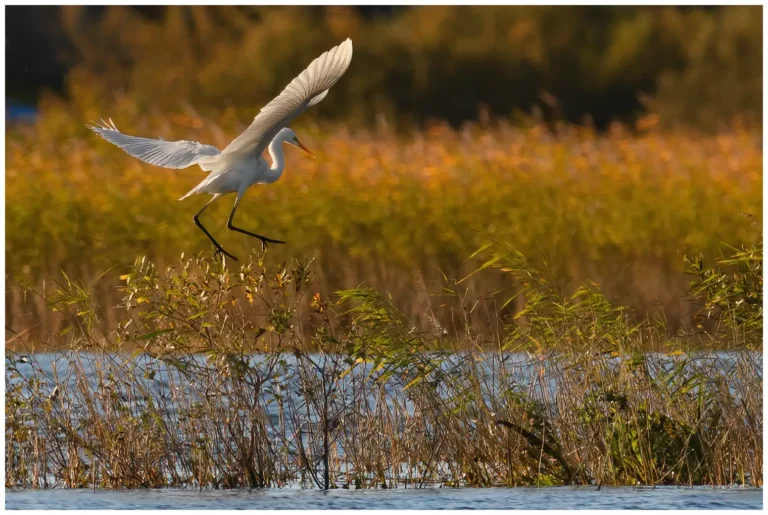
[(309, 88), (241, 165), (158, 152)]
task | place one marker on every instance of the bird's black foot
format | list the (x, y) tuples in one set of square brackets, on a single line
[(219, 251), (264, 242)]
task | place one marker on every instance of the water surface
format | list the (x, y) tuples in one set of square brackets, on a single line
[(660, 498)]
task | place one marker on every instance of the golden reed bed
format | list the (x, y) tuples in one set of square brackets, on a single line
[(395, 211)]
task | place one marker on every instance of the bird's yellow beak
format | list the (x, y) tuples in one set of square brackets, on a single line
[(302, 147)]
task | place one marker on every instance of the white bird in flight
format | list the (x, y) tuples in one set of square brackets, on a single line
[(240, 164)]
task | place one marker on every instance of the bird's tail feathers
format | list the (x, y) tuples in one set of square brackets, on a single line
[(191, 192)]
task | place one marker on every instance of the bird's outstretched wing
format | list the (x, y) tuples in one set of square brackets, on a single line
[(158, 152), (309, 88)]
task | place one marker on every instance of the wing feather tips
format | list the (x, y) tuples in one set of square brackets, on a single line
[(158, 152), (344, 53), (319, 76), (307, 89), (336, 64), (324, 71)]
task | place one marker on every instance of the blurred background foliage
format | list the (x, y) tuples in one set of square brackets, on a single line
[(604, 143), (690, 65)]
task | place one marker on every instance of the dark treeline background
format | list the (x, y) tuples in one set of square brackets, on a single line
[(697, 66)]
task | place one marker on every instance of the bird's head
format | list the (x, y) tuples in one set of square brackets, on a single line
[(290, 137)]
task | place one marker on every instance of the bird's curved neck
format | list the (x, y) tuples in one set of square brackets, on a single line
[(278, 158)]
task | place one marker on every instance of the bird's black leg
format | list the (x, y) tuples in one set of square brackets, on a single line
[(231, 227), (219, 248)]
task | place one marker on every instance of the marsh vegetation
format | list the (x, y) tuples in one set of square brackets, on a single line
[(208, 382), (620, 209)]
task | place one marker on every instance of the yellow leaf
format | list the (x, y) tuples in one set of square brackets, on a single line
[(414, 382)]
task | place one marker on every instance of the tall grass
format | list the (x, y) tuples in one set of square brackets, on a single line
[(619, 208), (563, 393)]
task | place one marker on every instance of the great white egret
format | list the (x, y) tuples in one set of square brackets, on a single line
[(240, 164)]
